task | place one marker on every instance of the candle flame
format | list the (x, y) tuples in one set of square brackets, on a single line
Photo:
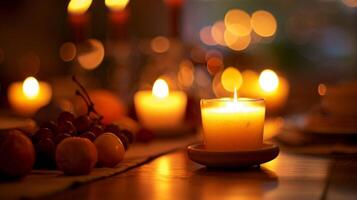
[(116, 4), (31, 87), (160, 88), (268, 80), (78, 6)]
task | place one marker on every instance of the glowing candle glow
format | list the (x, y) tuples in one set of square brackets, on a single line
[(160, 108), (268, 85), (27, 97), (232, 124)]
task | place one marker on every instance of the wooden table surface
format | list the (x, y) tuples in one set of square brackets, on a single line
[(174, 176)]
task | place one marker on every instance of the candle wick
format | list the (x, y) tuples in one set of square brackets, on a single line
[(235, 97)]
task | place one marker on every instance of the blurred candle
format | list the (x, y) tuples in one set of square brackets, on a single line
[(118, 16), (78, 18), (160, 109), (175, 7), (232, 124), (268, 85), (27, 97), (273, 89)]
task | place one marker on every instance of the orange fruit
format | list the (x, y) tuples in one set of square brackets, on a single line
[(76, 156)]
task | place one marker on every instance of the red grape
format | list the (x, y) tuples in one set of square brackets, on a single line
[(89, 135), (66, 127), (58, 139), (43, 133), (128, 134), (97, 129), (50, 125), (65, 116), (82, 123)]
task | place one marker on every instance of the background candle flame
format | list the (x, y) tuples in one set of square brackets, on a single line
[(116, 4), (78, 6), (268, 80), (160, 88), (30, 87)]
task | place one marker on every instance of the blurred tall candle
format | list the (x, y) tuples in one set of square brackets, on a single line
[(27, 97), (78, 18), (118, 16), (160, 109), (232, 124)]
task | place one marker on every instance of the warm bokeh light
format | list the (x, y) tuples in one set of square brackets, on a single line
[(78, 6), (214, 65), (238, 22), (263, 23), (272, 127), (206, 37), (91, 55), (322, 89), (237, 43), (268, 80), (160, 88), (350, 3), (160, 44), (217, 32), (186, 73), (68, 51), (31, 87), (231, 79), (116, 4)]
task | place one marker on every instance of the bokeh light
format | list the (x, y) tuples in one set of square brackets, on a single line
[(238, 22), (160, 44), (231, 79), (78, 6), (217, 32), (116, 4), (237, 43), (68, 51), (206, 37), (186, 73), (322, 89), (214, 65), (268, 80), (350, 3), (91, 54), (263, 23)]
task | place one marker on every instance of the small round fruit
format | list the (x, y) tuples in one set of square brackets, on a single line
[(17, 154), (89, 135), (76, 156), (82, 123), (65, 116), (97, 129), (66, 127), (42, 133), (59, 137), (50, 125), (110, 150)]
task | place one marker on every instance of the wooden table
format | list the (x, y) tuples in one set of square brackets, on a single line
[(174, 176)]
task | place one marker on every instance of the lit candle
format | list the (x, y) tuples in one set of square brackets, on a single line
[(160, 109), (232, 124), (78, 18), (118, 16), (268, 85), (27, 97)]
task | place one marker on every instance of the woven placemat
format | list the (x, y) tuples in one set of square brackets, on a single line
[(41, 183)]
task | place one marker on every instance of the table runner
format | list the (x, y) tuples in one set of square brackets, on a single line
[(40, 183)]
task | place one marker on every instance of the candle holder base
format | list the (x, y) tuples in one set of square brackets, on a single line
[(232, 159)]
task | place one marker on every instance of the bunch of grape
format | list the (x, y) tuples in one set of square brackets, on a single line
[(51, 133), (89, 126)]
